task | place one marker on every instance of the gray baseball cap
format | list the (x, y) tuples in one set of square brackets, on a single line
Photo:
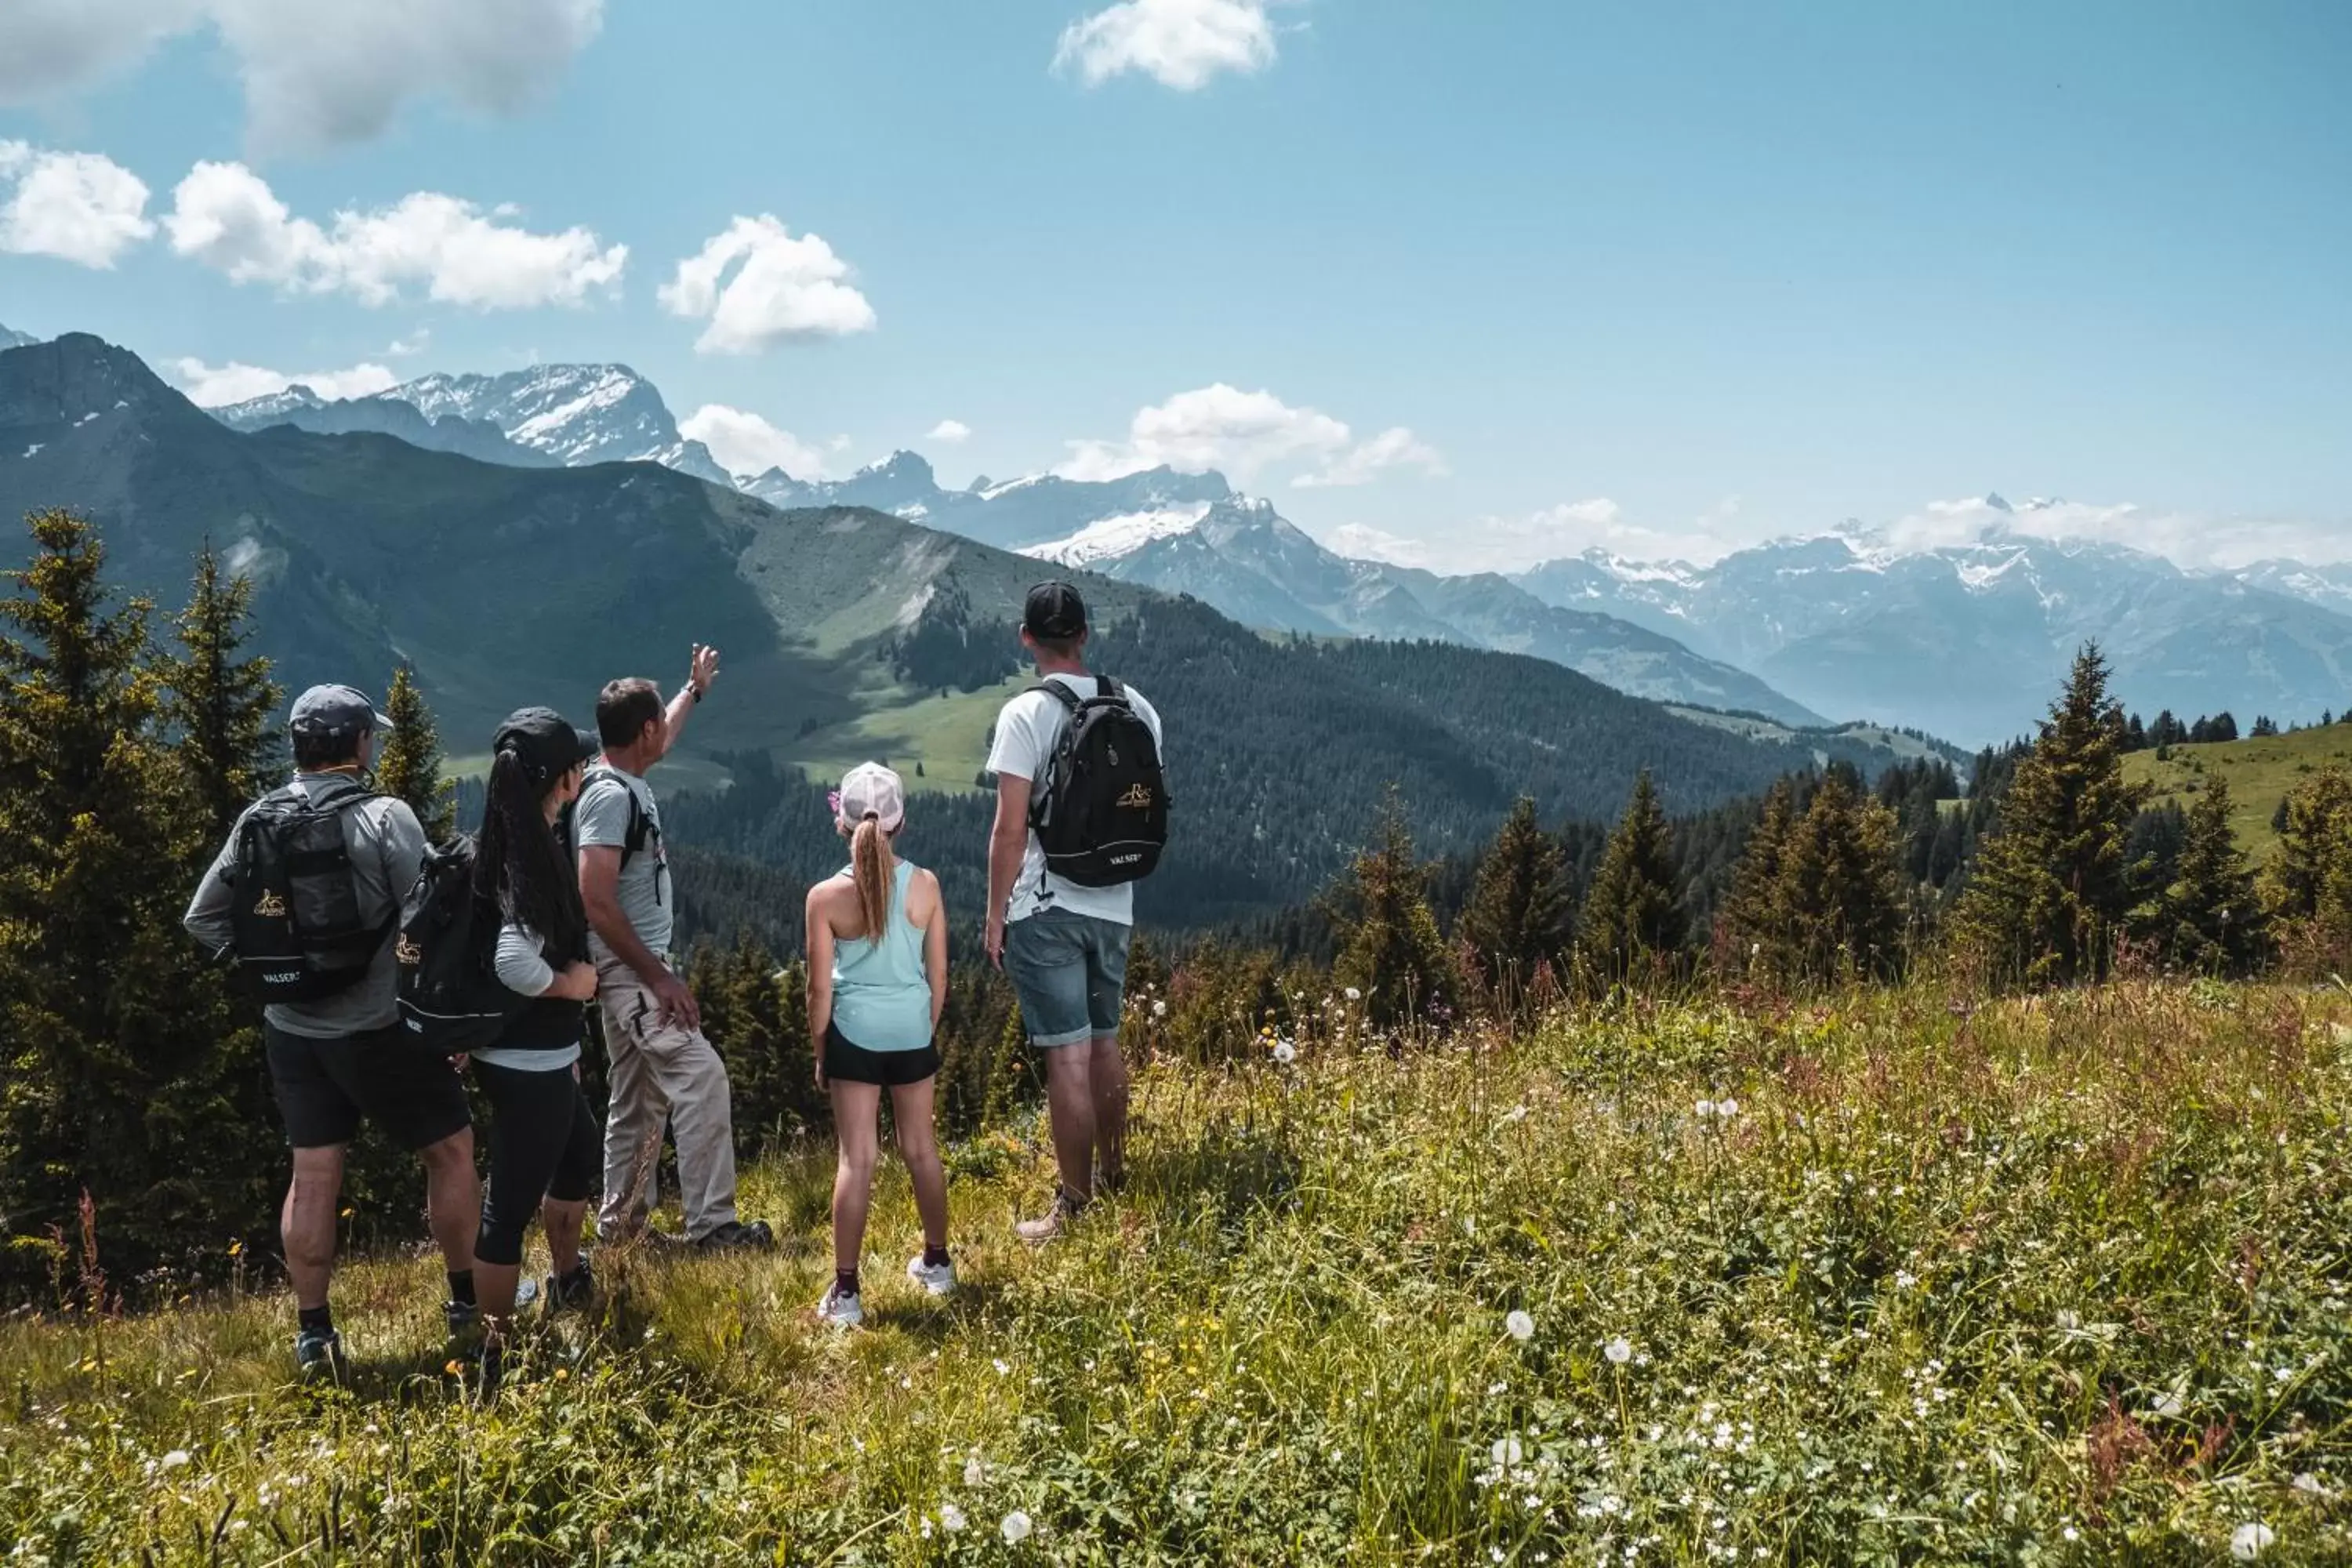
[(336, 711)]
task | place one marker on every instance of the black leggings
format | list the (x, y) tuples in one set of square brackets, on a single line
[(544, 1143)]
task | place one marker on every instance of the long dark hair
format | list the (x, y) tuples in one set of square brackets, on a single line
[(518, 863)]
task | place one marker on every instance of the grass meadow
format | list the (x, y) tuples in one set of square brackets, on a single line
[(1885, 1278)]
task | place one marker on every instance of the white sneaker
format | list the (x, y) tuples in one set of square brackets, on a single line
[(840, 1309), (938, 1281)]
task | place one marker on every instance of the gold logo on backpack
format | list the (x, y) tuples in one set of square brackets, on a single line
[(407, 952), (271, 906), (1136, 798)]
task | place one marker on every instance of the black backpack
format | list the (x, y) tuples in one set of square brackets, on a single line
[(451, 999), (1101, 812), (296, 929)]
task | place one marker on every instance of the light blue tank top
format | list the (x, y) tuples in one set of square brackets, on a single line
[(881, 999)]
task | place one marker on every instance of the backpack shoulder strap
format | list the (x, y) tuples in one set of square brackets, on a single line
[(1058, 692)]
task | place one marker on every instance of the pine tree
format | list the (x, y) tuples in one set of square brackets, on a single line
[(2312, 823), (1517, 919), (221, 704), (409, 761), (1391, 949), (2048, 892), (1754, 939), (1840, 898), (124, 1062), (2209, 919), (1632, 919)]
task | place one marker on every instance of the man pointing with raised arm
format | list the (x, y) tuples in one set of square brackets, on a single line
[(663, 1072)]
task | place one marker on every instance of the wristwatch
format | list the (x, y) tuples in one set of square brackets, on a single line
[(690, 686)]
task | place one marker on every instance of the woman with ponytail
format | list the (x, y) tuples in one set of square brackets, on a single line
[(546, 1150), (877, 977)]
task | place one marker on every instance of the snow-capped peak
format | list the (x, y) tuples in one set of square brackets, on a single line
[(1110, 537)]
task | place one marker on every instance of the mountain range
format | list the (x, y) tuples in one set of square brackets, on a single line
[(1246, 561), (1967, 640), (849, 632)]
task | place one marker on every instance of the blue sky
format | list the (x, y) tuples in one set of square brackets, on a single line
[(1658, 278)]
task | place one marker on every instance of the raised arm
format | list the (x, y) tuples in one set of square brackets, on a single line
[(702, 671)]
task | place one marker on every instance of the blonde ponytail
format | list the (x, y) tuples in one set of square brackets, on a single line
[(870, 867)]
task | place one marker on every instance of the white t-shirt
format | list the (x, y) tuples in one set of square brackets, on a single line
[(1026, 732)]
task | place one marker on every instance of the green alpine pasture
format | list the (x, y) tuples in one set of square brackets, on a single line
[(2261, 771), (1886, 1279)]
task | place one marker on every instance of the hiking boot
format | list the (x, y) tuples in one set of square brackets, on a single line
[(465, 1321), (489, 1370), (737, 1237), (320, 1352), (840, 1308), (570, 1292), (937, 1280), (1049, 1225)]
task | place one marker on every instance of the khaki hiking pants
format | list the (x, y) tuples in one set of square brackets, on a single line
[(663, 1075)]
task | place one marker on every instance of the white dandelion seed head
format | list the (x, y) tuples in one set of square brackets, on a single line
[(1726, 1108), (1506, 1451), (1160, 1009), (1016, 1528), (1284, 1052), (1519, 1326), (1619, 1351), (175, 1458), (974, 1473), (1703, 1108), (2250, 1540), (1352, 995), (2309, 1485), (951, 1517)]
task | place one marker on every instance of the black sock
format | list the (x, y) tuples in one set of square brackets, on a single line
[(576, 1273), (322, 1319), (844, 1281), (461, 1288), (934, 1257)]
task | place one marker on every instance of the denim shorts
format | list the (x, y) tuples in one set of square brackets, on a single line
[(1070, 973)]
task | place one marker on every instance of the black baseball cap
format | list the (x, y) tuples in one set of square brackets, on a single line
[(544, 742), (335, 711), (1055, 612)]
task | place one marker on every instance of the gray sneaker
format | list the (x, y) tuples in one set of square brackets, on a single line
[(320, 1352)]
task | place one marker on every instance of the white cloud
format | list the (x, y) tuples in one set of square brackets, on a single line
[(744, 443), (1181, 43), (77, 206), (950, 431), (316, 72), (1514, 543), (1220, 426), (410, 347), (1360, 464), (784, 290), (2195, 541), (226, 216), (214, 386)]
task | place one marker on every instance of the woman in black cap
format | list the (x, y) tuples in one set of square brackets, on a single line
[(546, 1150)]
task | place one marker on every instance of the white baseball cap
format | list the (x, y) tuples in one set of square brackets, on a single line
[(871, 790)]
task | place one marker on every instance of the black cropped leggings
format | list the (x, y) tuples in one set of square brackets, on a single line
[(544, 1143)]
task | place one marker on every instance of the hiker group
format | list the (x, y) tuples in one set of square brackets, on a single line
[(388, 967)]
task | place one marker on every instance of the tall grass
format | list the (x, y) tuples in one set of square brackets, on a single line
[(2056, 1280)]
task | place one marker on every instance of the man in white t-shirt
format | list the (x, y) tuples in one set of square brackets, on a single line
[(1064, 945)]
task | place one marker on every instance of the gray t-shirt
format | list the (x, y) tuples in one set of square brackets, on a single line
[(602, 818), (387, 849)]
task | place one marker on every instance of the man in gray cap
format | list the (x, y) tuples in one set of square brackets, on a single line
[(306, 897)]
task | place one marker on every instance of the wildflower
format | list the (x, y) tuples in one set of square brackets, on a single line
[(1727, 1109), (2070, 1320), (974, 1472), (1160, 1009), (1519, 1326), (1506, 1451), (1619, 1351), (1002, 1369), (2250, 1540), (1353, 994), (1704, 1109), (951, 1518), (2166, 1405), (1905, 1279), (1016, 1528), (1284, 1052), (175, 1458)]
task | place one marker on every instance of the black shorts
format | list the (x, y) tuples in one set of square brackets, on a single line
[(892, 1070), (325, 1087)]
